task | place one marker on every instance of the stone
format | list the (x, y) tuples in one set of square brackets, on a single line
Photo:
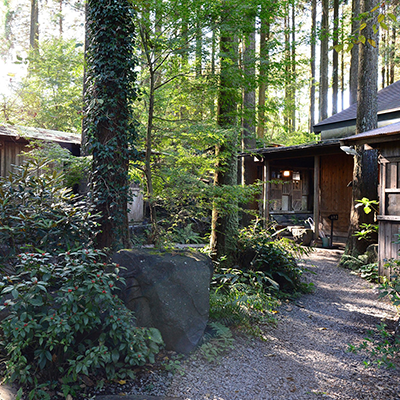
[(372, 253), (168, 291)]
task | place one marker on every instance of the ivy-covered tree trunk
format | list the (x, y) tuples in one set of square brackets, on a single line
[(365, 174), (224, 222), (110, 132)]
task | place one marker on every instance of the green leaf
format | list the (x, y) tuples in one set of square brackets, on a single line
[(381, 17), (36, 301), (338, 48), (115, 356), (15, 293), (375, 8), (384, 26), (392, 17), (155, 335), (373, 44), (363, 26), (362, 39)]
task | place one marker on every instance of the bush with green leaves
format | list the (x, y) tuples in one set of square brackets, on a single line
[(37, 211), (261, 251), (382, 348), (65, 320)]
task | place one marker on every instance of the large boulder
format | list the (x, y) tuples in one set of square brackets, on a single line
[(168, 291)]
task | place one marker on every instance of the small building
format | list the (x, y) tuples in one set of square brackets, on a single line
[(387, 140), (304, 181), (314, 180), (15, 139)]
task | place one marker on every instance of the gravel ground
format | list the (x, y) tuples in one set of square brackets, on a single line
[(305, 356)]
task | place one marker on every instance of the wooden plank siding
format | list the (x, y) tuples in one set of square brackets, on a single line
[(336, 172), (389, 212), (10, 155)]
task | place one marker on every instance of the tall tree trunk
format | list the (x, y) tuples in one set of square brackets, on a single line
[(384, 59), (365, 175), (392, 56), (262, 75), (293, 69), (324, 62), (224, 224), (335, 61), (34, 27), (111, 135), (199, 50), (248, 111), (312, 64), (342, 74), (355, 26), (60, 18), (287, 55)]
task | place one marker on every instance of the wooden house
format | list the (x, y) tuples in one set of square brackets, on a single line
[(387, 140), (306, 181), (15, 139), (314, 180)]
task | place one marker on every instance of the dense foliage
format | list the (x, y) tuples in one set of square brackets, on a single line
[(66, 321), (50, 96), (63, 317), (38, 212)]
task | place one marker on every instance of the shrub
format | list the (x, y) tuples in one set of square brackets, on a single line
[(66, 321), (260, 251), (38, 212)]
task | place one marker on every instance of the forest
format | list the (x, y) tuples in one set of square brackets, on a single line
[(165, 95)]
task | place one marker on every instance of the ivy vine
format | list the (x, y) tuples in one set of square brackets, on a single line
[(109, 127)]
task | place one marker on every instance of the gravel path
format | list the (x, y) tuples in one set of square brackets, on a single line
[(305, 355)]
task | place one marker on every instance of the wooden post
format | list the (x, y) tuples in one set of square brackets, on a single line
[(266, 176), (316, 196)]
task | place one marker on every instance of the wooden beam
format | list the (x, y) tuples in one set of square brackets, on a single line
[(266, 194), (316, 195)]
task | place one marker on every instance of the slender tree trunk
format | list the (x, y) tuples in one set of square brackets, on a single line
[(34, 28), (293, 69), (60, 18), (342, 87), (199, 50), (365, 175), (384, 59), (224, 224), (392, 56), (355, 26), (312, 64), (287, 114), (335, 61), (324, 62), (262, 75), (249, 94)]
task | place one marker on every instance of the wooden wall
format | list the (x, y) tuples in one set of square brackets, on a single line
[(9, 155), (336, 172), (389, 207)]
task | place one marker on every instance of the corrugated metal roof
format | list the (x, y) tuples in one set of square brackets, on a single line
[(388, 101), (40, 134)]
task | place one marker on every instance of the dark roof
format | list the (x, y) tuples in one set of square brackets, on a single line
[(384, 134), (17, 132), (388, 102), (301, 150)]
